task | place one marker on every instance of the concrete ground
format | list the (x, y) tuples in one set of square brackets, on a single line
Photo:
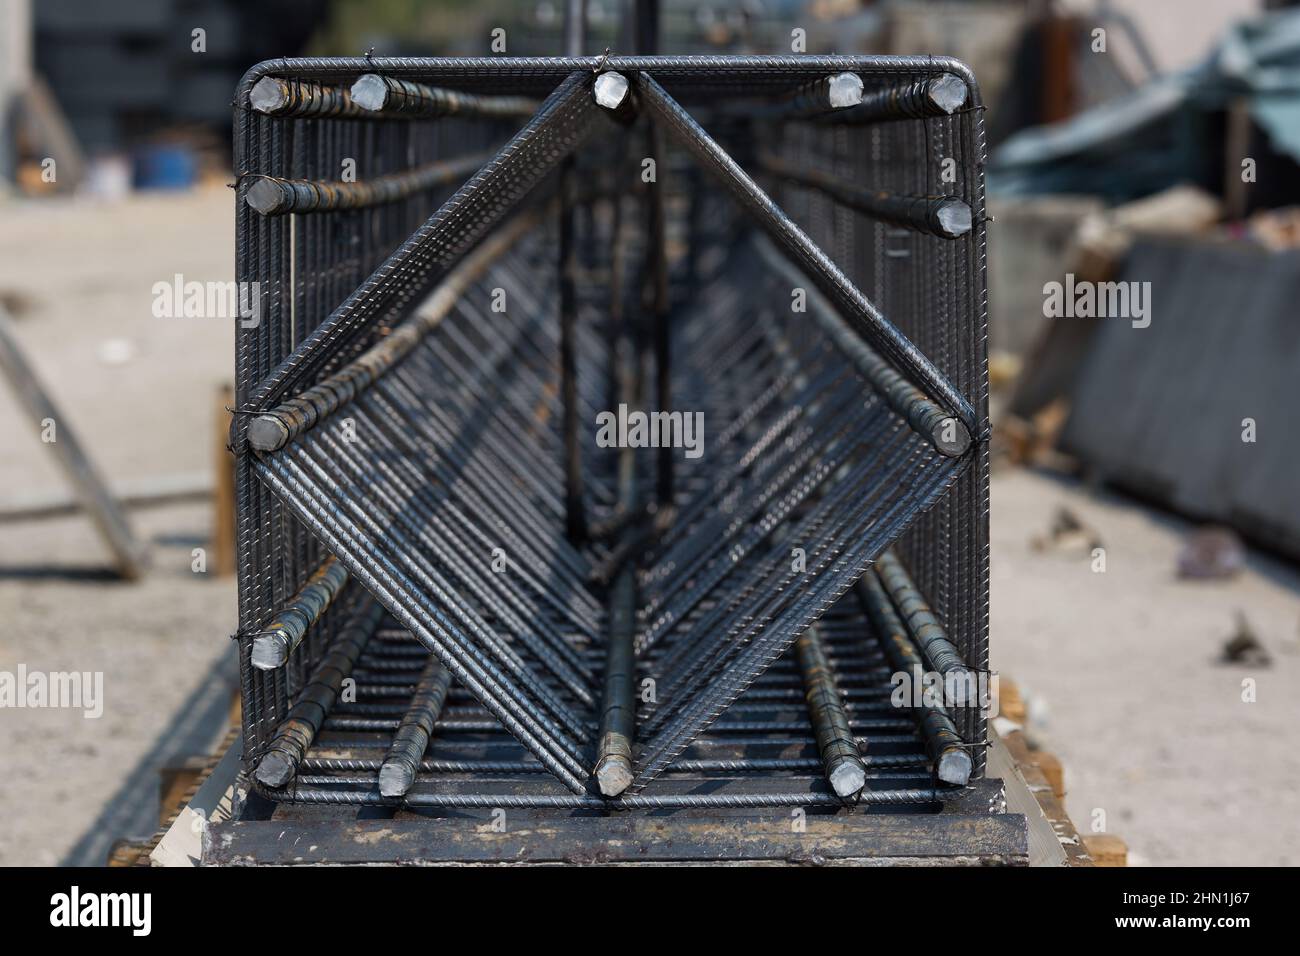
[(1124, 684), (141, 394), (1120, 668)]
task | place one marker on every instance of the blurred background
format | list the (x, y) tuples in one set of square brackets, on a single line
[(1145, 539)]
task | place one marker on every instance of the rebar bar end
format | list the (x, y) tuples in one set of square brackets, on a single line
[(844, 90), (954, 218), (269, 651), (847, 779), (268, 95), (611, 89), (950, 436), (955, 767), (275, 769), (265, 196), (370, 92), (613, 775), (395, 778), (947, 92), (267, 433)]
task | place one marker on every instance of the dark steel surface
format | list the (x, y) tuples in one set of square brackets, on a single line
[(434, 457)]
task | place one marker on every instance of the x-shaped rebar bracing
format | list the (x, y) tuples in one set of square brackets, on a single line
[(431, 465)]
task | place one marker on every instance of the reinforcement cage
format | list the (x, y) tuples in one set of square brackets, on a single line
[(456, 268)]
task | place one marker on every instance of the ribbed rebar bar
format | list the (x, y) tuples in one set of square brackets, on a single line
[(274, 429), (273, 645), (404, 98), (676, 801), (412, 738), (294, 736), (925, 628), (945, 216), (833, 93), (928, 96), (952, 762), (272, 196), (948, 434), (613, 770), (839, 752), (294, 97)]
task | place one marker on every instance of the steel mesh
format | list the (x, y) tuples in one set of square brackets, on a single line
[(413, 472)]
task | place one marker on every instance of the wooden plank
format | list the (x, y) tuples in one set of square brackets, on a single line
[(1106, 849), (129, 555), (223, 488)]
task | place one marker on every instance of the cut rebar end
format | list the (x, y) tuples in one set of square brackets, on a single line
[(847, 779), (265, 196), (267, 433), (951, 437), (947, 92), (954, 218), (268, 95), (275, 769), (395, 778), (269, 652), (611, 89), (844, 90), (955, 767), (370, 92), (613, 775)]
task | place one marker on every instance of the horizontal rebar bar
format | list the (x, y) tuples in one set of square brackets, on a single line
[(272, 196), (274, 429), (405, 98), (839, 752), (676, 801), (412, 737), (296, 733), (939, 95), (921, 622), (275, 96), (945, 216), (275, 642), (947, 433), (951, 760)]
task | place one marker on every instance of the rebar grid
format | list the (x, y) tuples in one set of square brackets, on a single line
[(433, 466)]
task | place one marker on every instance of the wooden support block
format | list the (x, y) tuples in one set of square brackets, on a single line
[(1051, 767), (1106, 849), (125, 853), (223, 489), (176, 782), (1010, 704)]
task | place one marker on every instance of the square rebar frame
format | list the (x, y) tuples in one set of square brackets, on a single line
[(334, 280)]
